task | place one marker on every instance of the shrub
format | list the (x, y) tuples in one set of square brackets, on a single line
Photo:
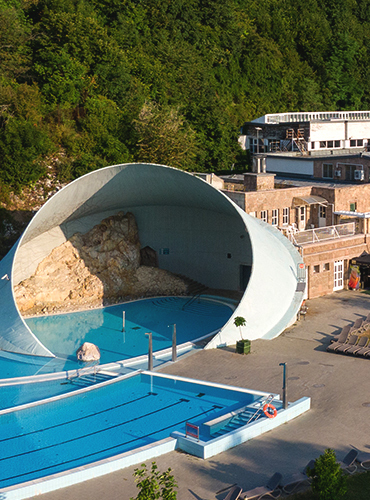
[(155, 485), (328, 480)]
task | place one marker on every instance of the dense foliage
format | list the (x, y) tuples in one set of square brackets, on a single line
[(97, 82)]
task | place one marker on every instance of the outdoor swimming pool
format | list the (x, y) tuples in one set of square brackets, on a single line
[(63, 334), (106, 421)]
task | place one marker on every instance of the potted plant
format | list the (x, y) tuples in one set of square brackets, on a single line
[(243, 346)]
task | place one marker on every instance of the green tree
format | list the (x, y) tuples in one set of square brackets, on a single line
[(328, 480), (164, 137), (239, 321), (154, 485)]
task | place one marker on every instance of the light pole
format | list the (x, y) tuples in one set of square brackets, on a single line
[(285, 402), (258, 144)]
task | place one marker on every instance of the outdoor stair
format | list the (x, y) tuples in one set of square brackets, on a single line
[(91, 379)]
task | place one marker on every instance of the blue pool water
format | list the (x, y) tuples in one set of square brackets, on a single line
[(104, 422), (63, 334)]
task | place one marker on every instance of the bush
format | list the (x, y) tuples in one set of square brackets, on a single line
[(328, 480), (155, 485)]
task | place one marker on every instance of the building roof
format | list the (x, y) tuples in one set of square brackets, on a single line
[(298, 117)]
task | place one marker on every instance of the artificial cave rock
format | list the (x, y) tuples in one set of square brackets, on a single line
[(93, 269), (88, 352)]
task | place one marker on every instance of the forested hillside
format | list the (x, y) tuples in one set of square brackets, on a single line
[(90, 83)]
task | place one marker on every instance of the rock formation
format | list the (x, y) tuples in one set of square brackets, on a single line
[(93, 269)]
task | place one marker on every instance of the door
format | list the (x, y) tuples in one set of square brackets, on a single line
[(245, 274), (322, 215), (301, 218), (338, 275)]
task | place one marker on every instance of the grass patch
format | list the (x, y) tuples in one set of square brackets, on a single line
[(358, 489)]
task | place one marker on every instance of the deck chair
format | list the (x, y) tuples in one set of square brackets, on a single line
[(342, 339), (350, 343), (360, 344), (343, 334), (234, 493), (270, 490), (298, 479), (363, 458), (356, 325), (362, 352), (348, 462)]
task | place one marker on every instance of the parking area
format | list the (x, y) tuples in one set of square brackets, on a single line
[(338, 385)]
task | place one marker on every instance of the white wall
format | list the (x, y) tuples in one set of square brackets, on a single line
[(289, 165), (327, 131)]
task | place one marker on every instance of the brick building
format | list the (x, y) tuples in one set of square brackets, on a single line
[(329, 222)]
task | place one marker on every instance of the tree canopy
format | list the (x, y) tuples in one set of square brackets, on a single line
[(97, 82)]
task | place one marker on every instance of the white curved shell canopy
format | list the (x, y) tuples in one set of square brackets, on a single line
[(196, 230)]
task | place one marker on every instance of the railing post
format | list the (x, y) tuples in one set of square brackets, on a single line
[(174, 350)]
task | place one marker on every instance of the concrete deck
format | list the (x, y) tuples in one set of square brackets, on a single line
[(339, 386)]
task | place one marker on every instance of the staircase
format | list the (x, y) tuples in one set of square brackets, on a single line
[(245, 417), (91, 379)]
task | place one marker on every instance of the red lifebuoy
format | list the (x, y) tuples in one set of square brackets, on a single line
[(270, 411)]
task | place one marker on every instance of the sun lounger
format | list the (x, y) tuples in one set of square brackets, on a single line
[(351, 342), (356, 325), (234, 493), (335, 345), (270, 490), (294, 482), (362, 352), (363, 458), (360, 344), (343, 334), (348, 462)]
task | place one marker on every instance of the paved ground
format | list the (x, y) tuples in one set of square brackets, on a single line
[(338, 385)]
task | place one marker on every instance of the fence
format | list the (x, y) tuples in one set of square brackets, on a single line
[(322, 233)]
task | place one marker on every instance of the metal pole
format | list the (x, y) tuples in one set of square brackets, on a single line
[(285, 401), (174, 350), (150, 352)]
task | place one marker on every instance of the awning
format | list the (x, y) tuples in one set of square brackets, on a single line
[(363, 259), (309, 200)]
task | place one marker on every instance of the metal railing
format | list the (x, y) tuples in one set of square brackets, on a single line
[(321, 233)]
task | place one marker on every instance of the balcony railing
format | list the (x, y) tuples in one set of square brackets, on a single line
[(320, 234)]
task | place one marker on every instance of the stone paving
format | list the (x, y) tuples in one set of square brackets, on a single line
[(339, 386)]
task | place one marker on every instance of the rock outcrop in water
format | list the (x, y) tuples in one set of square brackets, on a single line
[(93, 269)]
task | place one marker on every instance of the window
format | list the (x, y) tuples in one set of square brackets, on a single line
[(330, 144), (316, 269), (322, 144), (352, 207), (275, 217), (327, 170), (264, 215), (286, 215), (312, 145), (322, 212), (356, 143), (337, 144), (302, 213), (327, 267)]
